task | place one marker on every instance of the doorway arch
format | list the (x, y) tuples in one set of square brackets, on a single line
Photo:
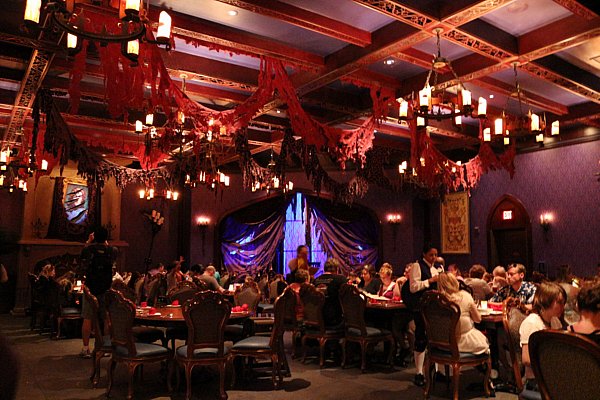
[(509, 233)]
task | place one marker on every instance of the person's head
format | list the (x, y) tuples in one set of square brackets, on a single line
[(173, 266), (100, 234), (210, 270), (499, 271), (588, 298), (160, 267), (454, 269), (477, 271), (430, 253), (332, 266), (448, 284), (48, 271), (549, 300), (385, 272), (439, 261), (196, 269), (301, 276), (538, 277), (515, 274), (488, 277), (302, 252), (367, 273)]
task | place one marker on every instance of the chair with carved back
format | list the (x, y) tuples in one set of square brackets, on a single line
[(356, 330), (206, 315), (102, 343), (182, 293), (550, 350), (144, 334), (270, 348), (125, 350), (513, 315), (314, 324), (441, 318), (54, 300)]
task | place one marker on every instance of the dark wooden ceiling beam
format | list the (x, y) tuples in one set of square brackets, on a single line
[(209, 33), (305, 19), (558, 36)]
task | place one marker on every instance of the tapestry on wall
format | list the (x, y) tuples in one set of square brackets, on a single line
[(73, 210), (455, 224)]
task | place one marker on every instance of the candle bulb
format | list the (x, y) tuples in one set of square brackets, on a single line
[(163, 33), (539, 138), (555, 130), (487, 136), (498, 126), (150, 119), (133, 47), (175, 195), (481, 107), (457, 118), (420, 121), (44, 165), (535, 122), (466, 97), (71, 41), (424, 97), (32, 10), (139, 127), (403, 108), (169, 195), (142, 193)]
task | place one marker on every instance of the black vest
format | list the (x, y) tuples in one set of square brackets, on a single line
[(412, 300)]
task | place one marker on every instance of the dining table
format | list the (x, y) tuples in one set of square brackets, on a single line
[(172, 316)]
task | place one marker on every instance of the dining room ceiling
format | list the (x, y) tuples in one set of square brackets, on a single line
[(554, 43)]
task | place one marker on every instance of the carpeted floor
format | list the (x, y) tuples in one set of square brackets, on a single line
[(52, 369)]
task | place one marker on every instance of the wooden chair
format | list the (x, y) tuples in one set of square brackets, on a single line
[(54, 301), (182, 293), (441, 318), (125, 349), (205, 315), (356, 330), (513, 315), (313, 301), (566, 365), (248, 294), (270, 348), (102, 343)]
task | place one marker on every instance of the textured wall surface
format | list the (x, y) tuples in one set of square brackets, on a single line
[(556, 181)]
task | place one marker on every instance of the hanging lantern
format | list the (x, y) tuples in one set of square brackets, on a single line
[(71, 41), (403, 113), (150, 119)]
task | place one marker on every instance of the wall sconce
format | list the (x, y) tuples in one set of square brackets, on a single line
[(394, 219), (202, 222), (545, 220)]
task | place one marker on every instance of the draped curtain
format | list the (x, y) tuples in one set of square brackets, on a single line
[(348, 234), (249, 237)]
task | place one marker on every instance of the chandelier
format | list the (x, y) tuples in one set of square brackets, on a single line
[(14, 172), (437, 104), (271, 181), (524, 124), (128, 32)]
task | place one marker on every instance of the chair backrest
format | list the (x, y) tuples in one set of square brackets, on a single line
[(92, 301), (125, 290), (139, 287), (441, 319), (550, 351), (284, 310), (353, 308), (513, 315), (249, 294), (313, 301), (122, 314), (182, 295), (206, 315)]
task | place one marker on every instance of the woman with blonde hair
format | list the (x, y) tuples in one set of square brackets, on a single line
[(470, 340), (387, 284)]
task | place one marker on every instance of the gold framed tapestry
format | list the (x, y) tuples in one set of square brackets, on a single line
[(455, 224)]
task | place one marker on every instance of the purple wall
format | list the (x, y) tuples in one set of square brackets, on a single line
[(558, 181)]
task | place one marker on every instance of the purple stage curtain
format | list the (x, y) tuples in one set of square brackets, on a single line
[(348, 234), (249, 237)]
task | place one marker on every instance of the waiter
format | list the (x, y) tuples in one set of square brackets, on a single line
[(300, 262), (423, 276)]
